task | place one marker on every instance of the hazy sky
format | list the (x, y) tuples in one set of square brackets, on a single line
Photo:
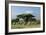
[(21, 9)]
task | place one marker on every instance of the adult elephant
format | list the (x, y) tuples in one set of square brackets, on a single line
[(15, 21)]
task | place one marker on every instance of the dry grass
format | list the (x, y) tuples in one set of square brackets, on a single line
[(19, 26)]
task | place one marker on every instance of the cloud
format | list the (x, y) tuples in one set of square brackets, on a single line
[(31, 12)]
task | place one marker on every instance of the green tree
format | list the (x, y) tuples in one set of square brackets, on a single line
[(26, 17)]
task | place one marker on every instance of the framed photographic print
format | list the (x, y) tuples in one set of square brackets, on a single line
[(24, 17)]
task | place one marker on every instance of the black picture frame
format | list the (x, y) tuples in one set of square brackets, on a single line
[(23, 2)]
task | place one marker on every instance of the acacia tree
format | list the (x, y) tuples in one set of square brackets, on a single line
[(26, 17)]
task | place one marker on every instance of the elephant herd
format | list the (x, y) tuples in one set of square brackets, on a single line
[(21, 21), (25, 19)]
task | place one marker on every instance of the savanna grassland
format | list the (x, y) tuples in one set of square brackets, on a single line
[(25, 21)]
